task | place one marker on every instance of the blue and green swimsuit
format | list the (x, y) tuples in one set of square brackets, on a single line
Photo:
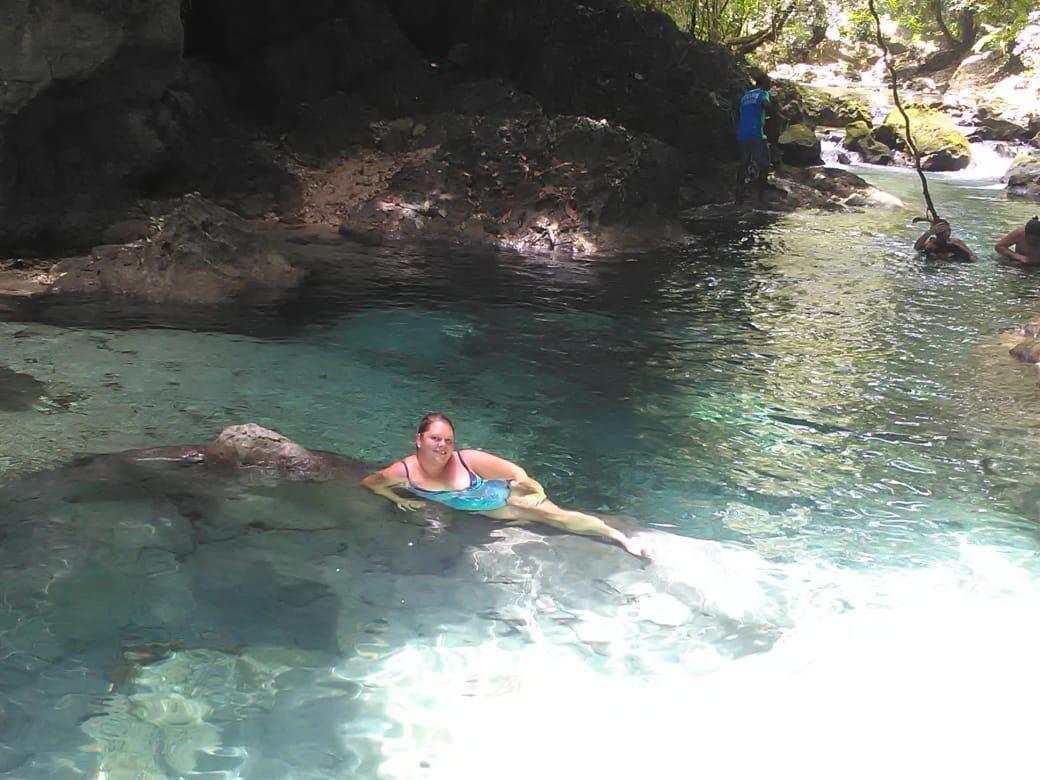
[(482, 495)]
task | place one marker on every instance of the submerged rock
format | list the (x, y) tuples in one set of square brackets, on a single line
[(18, 392), (201, 254), (1025, 342), (253, 445)]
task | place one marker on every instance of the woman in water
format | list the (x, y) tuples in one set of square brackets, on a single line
[(476, 481)]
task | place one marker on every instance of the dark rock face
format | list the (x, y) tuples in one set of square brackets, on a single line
[(81, 114), (1023, 177), (601, 59), (533, 183), (202, 254), (235, 99)]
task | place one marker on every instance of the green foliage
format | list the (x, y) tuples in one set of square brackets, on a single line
[(793, 25)]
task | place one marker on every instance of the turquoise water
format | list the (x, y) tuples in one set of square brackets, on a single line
[(824, 438)]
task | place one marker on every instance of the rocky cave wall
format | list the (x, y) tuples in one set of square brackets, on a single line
[(104, 104)]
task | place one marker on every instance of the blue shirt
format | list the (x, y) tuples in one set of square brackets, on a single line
[(752, 123)]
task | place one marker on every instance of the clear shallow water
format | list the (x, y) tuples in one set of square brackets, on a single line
[(827, 443)]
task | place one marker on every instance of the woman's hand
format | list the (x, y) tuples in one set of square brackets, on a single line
[(635, 548), (529, 500)]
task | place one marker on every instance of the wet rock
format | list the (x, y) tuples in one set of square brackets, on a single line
[(942, 146), (1024, 341), (1027, 350), (861, 139), (18, 392), (252, 445), (1023, 177), (201, 254), (990, 125), (824, 187), (800, 146)]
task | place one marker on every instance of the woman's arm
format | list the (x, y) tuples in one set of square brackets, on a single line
[(490, 466), (392, 476), (1004, 249)]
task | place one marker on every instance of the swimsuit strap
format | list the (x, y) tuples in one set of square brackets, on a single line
[(407, 475), (473, 476)]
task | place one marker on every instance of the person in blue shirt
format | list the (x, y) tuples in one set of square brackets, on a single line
[(477, 481), (755, 105)]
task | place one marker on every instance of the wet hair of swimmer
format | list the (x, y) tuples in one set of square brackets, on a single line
[(1033, 227), (430, 419)]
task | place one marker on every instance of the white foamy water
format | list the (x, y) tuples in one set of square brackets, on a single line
[(918, 672)]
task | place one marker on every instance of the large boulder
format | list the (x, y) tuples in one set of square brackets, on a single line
[(251, 445), (942, 146), (200, 254), (1023, 177), (800, 146), (817, 107), (861, 139)]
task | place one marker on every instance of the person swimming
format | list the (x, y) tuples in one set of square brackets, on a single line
[(937, 244), (476, 481), (1025, 242)]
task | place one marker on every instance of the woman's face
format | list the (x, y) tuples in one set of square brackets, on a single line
[(437, 442)]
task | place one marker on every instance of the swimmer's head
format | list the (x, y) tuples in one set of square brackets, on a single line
[(1033, 227), (435, 438), (941, 229)]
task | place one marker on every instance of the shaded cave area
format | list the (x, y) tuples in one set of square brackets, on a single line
[(233, 99)]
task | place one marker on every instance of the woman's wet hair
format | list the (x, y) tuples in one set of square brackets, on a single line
[(430, 419), (1033, 227)]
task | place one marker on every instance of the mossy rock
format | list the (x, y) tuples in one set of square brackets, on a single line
[(800, 145), (942, 146), (861, 139), (854, 133), (823, 108), (813, 106)]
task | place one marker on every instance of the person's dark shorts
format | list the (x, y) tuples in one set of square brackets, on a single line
[(757, 150)]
